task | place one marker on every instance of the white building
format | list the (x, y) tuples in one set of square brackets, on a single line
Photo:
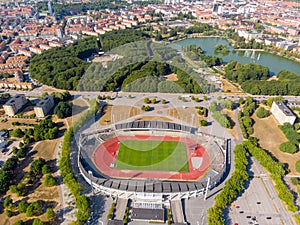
[(43, 107), (13, 105), (282, 113)]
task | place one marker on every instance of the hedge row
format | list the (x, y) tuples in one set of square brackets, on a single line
[(232, 187), (82, 202)]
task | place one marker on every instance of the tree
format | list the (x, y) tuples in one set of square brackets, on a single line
[(37, 221), (288, 147), (19, 222), (17, 133), (34, 209), (146, 100), (7, 202), (83, 206), (153, 100), (203, 123), (262, 113), (46, 169), (298, 166), (22, 207), (49, 181), (50, 214), (63, 109), (8, 213), (36, 165), (163, 101)]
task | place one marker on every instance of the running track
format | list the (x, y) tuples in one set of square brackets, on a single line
[(106, 154)]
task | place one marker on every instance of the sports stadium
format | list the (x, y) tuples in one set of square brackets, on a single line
[(151, 160)]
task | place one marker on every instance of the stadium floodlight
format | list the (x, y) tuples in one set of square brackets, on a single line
[(91, 174)]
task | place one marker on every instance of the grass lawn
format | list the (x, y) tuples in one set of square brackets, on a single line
[(152, 155)]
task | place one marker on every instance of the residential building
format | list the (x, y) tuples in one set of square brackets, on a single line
[(43, 107), (13, 105), (282, 113)]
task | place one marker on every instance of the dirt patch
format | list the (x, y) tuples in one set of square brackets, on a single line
[(227, 86), (270, 137), (172, 77), (273, 78), (234, 129), (119, 113), (8, 123), (187, 115)]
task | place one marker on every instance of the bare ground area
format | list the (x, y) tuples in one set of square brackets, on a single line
[(227, 86), (49, 195), (172, 77), (187, 115), (270, 137), (234, 129), (8, 123), (119, 112)]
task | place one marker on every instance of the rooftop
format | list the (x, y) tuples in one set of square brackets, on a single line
[(284, 108), (148, 214)]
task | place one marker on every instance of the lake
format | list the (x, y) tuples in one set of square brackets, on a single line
[(274, 62)]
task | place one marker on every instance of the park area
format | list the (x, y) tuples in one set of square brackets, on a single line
[(152, 155)]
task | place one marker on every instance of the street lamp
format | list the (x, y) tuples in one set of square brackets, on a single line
[(91, 182)]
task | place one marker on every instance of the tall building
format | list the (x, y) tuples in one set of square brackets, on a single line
[(13, 105), (282, 113), (43, 107), (50, 8)]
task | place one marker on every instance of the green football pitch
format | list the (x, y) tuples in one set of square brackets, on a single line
[(152, 155)]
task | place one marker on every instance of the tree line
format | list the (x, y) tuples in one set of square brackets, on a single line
[(232, 187), (82, 202)]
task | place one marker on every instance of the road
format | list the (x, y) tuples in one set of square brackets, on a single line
[(259, 202), (212, 96)]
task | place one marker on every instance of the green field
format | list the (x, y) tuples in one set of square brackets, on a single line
[(152, 155)]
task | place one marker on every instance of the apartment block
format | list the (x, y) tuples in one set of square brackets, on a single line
[(43, 107), (13, 105), (282, 113)]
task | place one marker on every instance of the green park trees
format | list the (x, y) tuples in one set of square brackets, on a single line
[(262, 113), (63, 109)]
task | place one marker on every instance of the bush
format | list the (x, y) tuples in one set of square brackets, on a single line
[(50, 214), (37, 221), (288, 147), (221, 119), (46, 169), (295, 180), (37, 165), (17, 133), (50, 181), (8, 213), (34, 209), (7, 202), (262, 113), (298, 166), (203, 123), (22, 207), (19, 222)]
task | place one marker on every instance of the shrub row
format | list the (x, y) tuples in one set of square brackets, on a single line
[(276, 169), (82, 202), (232, 187)]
